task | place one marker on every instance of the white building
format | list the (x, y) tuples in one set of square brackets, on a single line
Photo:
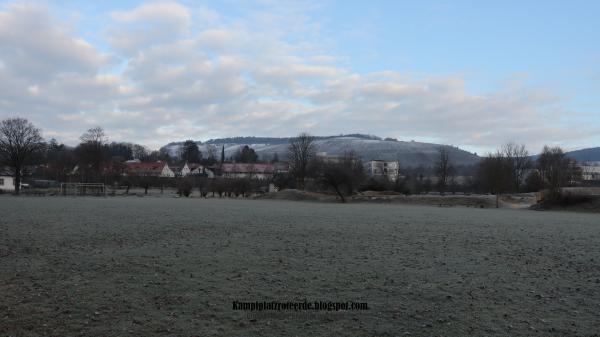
[(7, 183), (590, 172), (196, 169), (383, 169), (191, 169), (7, 180)]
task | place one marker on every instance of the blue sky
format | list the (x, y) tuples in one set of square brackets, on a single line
[(469, 73)]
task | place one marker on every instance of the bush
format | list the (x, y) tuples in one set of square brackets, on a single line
[(184, 187), (570, 199), (400, 186), (534, 182), (284, 181), (373, 184), (564, 199)]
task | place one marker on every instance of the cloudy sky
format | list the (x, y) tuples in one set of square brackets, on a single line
[(456, 72)]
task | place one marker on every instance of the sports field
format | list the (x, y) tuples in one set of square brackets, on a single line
[(130, 266)]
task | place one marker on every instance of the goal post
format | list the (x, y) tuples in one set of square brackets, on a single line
[(82, 189)]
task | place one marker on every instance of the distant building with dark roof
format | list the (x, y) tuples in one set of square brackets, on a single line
[(252, 170), (155, 169)]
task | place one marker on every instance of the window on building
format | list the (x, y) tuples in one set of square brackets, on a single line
[(1, 182)]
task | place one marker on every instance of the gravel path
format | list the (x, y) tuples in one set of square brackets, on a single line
[(172, 267)]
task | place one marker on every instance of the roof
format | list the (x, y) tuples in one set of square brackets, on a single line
[(155, 166)]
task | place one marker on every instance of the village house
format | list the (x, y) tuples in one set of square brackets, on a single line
[(195, 169), (383, 169), (7, 180), (155, 169), (252, 171)]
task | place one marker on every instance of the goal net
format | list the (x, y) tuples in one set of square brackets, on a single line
[(81, 189)]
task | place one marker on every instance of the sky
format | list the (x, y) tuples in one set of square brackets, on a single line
[(474, 74)]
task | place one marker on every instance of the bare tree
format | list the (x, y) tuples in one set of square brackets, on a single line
[(60, 160), (342, 176), (555, 170), (518, 163), (495, 174), (90, 153), (19, 141), (94, 135), (301, 152), (443, 168), (139, 151)]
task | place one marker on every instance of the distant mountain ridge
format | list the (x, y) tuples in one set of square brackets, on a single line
[(367, 147), (277, 140), (586, 155)]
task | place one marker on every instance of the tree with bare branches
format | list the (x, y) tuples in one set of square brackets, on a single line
[(19, 141), (443, 168), (518, 162), (91, 155), (94, 135), (556, 170), (343, 176), (301, 152), (495, 174)]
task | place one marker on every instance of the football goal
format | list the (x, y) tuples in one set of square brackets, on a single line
[(81, 189)]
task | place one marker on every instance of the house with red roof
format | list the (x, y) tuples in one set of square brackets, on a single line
[(154, 169), (252, 170)]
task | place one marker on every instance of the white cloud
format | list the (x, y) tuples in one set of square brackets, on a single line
[(169, 14), (35, 46), (148, 24), (191, 73)]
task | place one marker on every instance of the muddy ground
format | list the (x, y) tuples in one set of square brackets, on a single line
[(172, 267)]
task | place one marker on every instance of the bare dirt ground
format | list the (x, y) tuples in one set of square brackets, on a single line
[(513, 201), (172, 267), (448, 200)]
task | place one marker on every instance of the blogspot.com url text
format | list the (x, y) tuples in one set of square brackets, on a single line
[(276, 306)]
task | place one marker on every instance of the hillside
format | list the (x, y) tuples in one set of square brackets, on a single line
[(589, 155), (586, 155), (410, 154)]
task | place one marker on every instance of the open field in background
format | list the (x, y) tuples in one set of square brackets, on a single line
[(523, 200), (171, 267), (460, 199)]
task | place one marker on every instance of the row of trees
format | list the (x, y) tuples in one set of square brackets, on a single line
[(95, 158), (509, 169), (21, 144)]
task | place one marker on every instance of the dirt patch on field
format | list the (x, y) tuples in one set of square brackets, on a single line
[(478, 201), (297, 195), (518, 201)]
